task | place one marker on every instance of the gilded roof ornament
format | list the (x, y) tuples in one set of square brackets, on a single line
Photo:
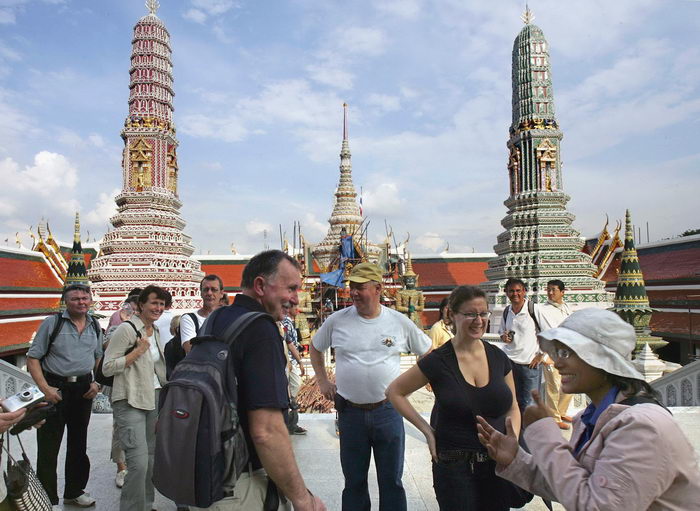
[(152, 6), (527, 16)]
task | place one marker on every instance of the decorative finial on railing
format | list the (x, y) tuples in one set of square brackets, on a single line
[(152, 6), (527, 16)]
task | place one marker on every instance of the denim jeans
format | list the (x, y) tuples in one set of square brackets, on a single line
[(459, 488), (365, 431), (526, 380)]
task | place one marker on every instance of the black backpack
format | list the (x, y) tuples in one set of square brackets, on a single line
[(200, 446), (173, 351), (109, 380)]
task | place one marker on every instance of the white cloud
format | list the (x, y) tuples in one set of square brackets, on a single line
[(15, 125), (214, 7), (383, 199), (104, 209), (318, 229), (96, 140), (431, 241), (227, 128), (402, 8), (195, 15), (51, 174), (7, 16), (253, 227), (384, 102), (203, 9), (361, 40), (332, 74)]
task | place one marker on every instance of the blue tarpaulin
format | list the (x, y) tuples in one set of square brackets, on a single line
[(347, 250), (334, 278)]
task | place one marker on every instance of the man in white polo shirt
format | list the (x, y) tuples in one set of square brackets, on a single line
[(211, 289), (518, 330), (368, 339)]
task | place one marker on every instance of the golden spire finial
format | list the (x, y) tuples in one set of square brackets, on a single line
[(76, 233), (409, 266), (527, 16), (152, 6)]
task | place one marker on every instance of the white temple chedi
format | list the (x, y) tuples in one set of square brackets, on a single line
[(148, 245), (346, 217)]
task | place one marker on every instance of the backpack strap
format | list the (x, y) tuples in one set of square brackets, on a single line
[(138, 336), (531, 311), (506, 311), (241, 323), (195, 320), (636, 400), (58, 324)]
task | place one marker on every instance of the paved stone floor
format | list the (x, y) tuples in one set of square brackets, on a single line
[(317, 454)]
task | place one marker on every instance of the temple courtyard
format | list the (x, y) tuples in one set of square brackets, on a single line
[(318, 459)]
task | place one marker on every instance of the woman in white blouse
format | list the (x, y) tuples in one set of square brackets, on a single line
[(135, 359)]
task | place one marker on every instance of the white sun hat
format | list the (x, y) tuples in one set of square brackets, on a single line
[(599, 337)]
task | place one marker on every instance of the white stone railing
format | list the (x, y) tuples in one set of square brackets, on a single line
[(12, 379), (681, 387)]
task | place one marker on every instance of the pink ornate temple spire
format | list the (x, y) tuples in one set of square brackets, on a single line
[(148, 244)]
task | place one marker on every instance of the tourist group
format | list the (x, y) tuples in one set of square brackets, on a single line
[(494, 435)]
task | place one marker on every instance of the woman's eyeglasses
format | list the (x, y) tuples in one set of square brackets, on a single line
[(560, 353), (471, 316)]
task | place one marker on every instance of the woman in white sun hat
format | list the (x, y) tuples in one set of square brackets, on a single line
[(626, 451)]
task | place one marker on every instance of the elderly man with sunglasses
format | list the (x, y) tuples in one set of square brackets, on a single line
[(63, 370)]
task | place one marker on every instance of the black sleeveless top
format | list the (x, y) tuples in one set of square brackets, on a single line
[(457, 402)]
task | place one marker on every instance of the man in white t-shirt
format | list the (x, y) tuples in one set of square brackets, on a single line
[(211, 289), (368, 339), (550, 315)]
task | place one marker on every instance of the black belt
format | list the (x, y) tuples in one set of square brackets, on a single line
[(367, 406), (455, 455), (69, 379)]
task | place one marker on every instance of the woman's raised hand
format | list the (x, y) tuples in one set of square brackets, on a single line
[(142, 345), (502, 448), (535, 412)]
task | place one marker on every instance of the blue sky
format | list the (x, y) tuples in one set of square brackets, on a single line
[(259, 91)]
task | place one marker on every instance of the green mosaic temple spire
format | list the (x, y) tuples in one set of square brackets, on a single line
[(77, 273), (539, 243), (631, 302)]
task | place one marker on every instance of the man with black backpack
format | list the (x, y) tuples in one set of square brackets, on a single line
[(211, 288), (245, 339), (61, 360), (518, 330)]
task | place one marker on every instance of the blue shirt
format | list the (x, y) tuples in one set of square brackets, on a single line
[(590, 416)]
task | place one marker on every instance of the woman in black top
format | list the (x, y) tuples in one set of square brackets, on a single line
[(469, 377)]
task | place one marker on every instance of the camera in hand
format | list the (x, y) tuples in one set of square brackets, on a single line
[(23, 399), (33, 416)]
